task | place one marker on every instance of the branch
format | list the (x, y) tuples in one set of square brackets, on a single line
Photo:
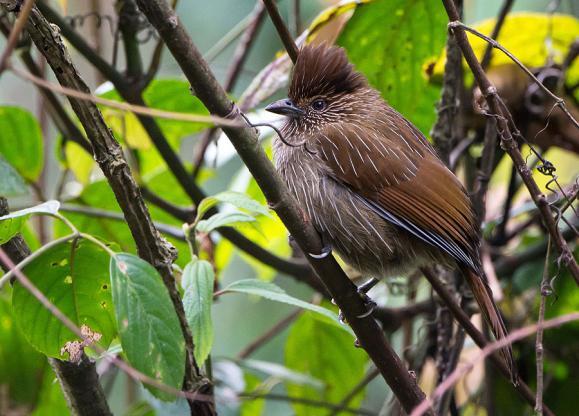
[(282, 30), (15, 33), (370, 375), (268, 335), (79, 382), (237, 62), (246, 142), (446, 132), (508, 143), (506, 265), (109, 155), (80, 385)]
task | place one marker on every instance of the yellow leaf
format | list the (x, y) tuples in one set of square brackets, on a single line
[(129, 128), (531, 37), (79, 161)]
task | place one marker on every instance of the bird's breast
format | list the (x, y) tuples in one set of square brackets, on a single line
[(363, 239)]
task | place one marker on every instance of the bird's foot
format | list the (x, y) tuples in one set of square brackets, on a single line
[(326, 251), (368, 302)]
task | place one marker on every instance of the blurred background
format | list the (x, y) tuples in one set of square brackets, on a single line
[(239, 319)]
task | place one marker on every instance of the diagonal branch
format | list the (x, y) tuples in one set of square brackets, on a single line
[(246, 142), (282, 30)]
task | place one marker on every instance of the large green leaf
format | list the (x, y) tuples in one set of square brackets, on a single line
[(75, 278), (320, 349), (197, 281), (20, 364), (11, 183), (390, 41), (148, 325), (21, 141)]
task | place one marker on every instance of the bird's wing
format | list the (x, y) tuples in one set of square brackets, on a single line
[(393, 169)]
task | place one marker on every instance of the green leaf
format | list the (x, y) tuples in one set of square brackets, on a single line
[(237, 199), (75, 278), (391, 41), (222, 219), (326, 353), (273, 292), (197, 281), (21, 141), (148, 324), (11, 183)]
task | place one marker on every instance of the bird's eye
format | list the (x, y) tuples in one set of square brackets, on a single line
[(319, 105)]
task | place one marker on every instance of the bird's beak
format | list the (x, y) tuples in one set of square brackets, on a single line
[(285, 107)]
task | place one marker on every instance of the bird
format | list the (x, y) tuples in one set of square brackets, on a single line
[(371, 183)]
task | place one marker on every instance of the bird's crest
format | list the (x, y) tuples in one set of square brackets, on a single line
[(323, 70)]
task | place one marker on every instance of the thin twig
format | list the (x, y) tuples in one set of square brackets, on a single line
[(282, 30), (305, 401), (136, 109), (233, 72), (15, 33), (370, 375), (488, 54), (545, 291), (487, 351), (268, 335)]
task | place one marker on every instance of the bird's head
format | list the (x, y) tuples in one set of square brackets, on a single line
[(324, 88)]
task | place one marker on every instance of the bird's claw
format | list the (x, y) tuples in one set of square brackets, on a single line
[(368, 302), (370, 305), (326, 251)]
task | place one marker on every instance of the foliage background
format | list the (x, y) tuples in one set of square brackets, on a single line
[(239, 319)]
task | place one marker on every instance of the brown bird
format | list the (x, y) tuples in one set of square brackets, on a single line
[(371, 183)]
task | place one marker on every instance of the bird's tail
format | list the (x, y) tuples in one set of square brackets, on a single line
[(484, 297)]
